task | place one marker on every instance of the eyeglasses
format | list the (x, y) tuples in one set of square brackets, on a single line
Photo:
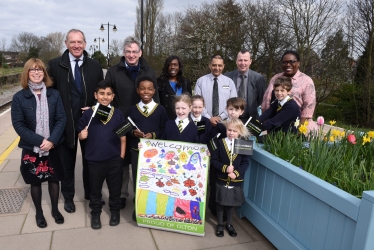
[(128, 52), (36, 70), (292, 62)]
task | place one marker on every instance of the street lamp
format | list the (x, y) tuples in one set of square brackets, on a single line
[(93, 48), (99, 41), (114, 30)]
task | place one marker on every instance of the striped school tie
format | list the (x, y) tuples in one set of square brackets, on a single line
[(180, 127), (195, 122), (145, 110)]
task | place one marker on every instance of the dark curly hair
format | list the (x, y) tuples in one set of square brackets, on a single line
[(165, 73)]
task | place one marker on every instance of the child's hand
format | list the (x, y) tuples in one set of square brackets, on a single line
[(232, 176), (138, 133), (230, 169), (83, 134), (46, 145), (140, 145), (148, 136)]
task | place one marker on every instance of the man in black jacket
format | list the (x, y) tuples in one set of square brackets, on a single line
[(75, 76), (250, 85), (123, 77)]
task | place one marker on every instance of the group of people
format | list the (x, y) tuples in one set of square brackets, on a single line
[(52, 112)]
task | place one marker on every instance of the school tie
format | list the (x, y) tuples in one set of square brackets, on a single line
[(77, 75), (145, 110), (279, 107), (215, 108), (195, 121), (180, 127), (242, 92)]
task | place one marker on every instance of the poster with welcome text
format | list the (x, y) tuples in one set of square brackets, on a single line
[(171, 186)]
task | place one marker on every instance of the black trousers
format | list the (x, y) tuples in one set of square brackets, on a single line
[(69, 159), (212, 193), (134, 167), (111, 171)]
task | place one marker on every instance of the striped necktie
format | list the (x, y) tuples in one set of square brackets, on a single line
[(145, 110), (195, 121), (279, 107), (180, 127)]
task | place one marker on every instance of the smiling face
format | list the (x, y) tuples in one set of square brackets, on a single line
[(182, 110), (132, 53), (75, 43), (290, 65), (281, 93), (232, 132), (234, 112), (146, 91), (216, 66), (243, 61), (173, 68), (104, 96), (36, 74), (197, 108)]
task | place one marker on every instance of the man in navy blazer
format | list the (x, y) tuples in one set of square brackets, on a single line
[(250, 85)]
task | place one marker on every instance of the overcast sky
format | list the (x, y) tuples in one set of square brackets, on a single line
[(41, 17)]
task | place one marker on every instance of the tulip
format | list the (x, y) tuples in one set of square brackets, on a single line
[(351, 139), (320, 120)]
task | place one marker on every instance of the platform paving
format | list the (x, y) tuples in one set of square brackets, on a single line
[(19, 230)]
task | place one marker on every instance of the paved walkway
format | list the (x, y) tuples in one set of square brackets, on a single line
[(19, 230)]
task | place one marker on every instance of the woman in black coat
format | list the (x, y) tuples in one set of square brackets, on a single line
[(171, 83), (38, 117)]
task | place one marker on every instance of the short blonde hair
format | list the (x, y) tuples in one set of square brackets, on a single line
[(238, 124), (184, 98), (34, 63)]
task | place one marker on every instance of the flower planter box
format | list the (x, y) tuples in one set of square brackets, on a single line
[(296, 210)]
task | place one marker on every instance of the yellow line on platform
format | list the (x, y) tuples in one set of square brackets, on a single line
[(4, 155)]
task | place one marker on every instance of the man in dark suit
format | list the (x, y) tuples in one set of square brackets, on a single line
[(250, 85)]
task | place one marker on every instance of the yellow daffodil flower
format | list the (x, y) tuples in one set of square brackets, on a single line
[(371, 134), (335, 132), (332, 138), (303, 129), (365, 139), (332, 122)]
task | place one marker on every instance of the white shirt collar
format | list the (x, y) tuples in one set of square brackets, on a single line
[(150, 105), (195, 118), (284, 100), (72, 58)]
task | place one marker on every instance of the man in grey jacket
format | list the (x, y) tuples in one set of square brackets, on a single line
[(250, 85)]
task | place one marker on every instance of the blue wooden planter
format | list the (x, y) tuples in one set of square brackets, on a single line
[(296, 210)]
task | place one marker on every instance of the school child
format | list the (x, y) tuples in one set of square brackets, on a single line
[(229, 177), (197, 108), (149, 117), (284, 111), (182, 128), (105, 153), (234, 108)]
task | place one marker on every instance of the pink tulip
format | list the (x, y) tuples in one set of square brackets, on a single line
[(351, 139), (320, 120)]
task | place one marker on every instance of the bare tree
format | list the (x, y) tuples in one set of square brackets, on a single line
[(24, 41), (309, 22), (3, 44)]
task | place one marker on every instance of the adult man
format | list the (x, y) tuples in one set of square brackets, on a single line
[(250, 85), (75, 76), (216, 90), (123, 77)]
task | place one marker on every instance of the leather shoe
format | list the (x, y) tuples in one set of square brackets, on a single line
[(231, 230), (95, 222), (69, 206), (59, 219), (42, 223), (134, 216), (123, 202), (219, 231), (114, 219)]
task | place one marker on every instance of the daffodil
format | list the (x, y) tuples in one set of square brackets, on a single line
[(332, 122), (335, 132), (297, 122), (342, 133), (332, 138), (371, 134), (365, 139), (303, 129)]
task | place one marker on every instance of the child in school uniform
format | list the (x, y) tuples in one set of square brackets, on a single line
[(182, 128), (234, 108), (284, 111), (229, 177), (149, 117), (197, 118), (105, 153)]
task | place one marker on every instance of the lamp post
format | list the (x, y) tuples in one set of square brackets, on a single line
[(99, 41), (93, 48), (114, 30)]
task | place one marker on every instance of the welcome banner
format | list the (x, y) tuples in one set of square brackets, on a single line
[(172, 186)]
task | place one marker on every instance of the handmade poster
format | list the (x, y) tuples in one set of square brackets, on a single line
[(171, 186)]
